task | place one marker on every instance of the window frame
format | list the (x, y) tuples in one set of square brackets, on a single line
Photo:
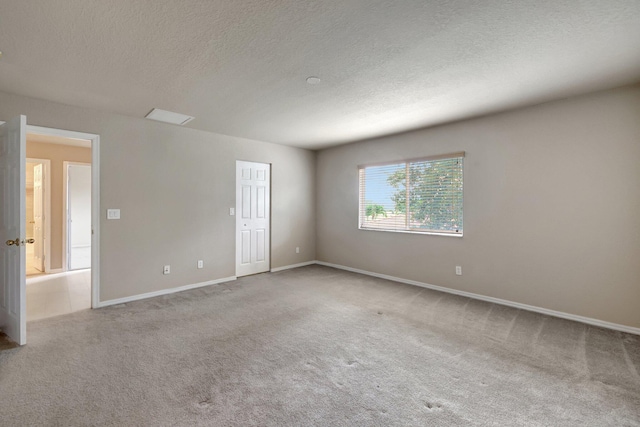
[(407, 162)]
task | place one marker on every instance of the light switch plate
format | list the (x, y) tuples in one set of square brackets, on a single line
[(232, 211), (113, 213)]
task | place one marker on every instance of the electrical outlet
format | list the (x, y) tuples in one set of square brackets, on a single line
[(458, 270), (113, 213), (297, 250), (200, 263), (167, 269)]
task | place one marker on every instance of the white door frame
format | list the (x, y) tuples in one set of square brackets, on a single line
[(95, 200), (65, 212), (47, 209)]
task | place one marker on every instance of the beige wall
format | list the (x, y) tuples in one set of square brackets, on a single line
[(175, 186), (551, 208), (57, 154)]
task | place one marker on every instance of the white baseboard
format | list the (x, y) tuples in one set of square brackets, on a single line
[(164, 292), (560, 314), (287, 267)]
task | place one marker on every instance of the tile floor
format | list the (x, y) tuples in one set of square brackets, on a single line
[(51, 295)]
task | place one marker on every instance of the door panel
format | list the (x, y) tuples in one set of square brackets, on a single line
[(246, 174), (260, 202), (38, 217), (260, 245), (245, 242), (13, 304), (253, 220), (246, 201)]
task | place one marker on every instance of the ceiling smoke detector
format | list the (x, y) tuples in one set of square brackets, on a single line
[(313, 80), (169, 117)]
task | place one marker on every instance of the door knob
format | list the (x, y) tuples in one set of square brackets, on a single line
[(13, 242), (17, 242)]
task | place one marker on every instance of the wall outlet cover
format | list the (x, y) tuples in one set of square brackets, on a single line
[(113, 213)]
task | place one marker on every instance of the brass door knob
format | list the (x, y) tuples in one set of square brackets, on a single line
[(17, 242)]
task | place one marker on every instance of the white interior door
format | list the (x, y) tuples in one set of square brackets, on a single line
[(78, 216), (13, 304), (253, 212), (38, 217)]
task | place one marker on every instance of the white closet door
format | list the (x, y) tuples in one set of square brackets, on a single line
[(253, 211)]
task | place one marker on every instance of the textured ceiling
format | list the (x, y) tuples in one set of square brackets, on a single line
[(240, 66)]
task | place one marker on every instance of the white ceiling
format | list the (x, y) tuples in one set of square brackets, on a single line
[(239, 66)]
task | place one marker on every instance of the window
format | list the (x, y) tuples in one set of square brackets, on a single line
[(420, 195)]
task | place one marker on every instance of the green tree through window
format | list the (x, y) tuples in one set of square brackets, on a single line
[(373, 210)]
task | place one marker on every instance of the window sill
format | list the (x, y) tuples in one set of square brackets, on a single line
[(429, 233)]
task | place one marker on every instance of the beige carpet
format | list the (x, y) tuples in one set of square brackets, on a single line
[(319, 347)]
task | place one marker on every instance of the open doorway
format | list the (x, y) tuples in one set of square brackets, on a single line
[(59, 221)]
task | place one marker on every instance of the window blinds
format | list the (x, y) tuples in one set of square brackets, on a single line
[(419, 195)]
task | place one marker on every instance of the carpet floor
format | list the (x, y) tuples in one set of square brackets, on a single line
[(315, 346)]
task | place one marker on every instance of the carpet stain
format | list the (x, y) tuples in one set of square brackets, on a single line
[(6, 343)]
